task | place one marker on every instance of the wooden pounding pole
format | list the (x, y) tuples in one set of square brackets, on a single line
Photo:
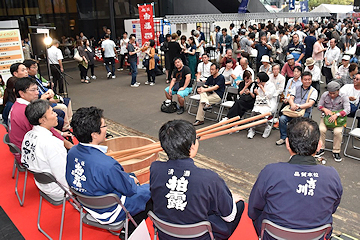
[(204, 137)]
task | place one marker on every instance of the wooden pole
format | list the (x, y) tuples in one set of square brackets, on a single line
[(204, 137)]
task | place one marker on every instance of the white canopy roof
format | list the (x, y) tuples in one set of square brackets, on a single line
[(333, 8)]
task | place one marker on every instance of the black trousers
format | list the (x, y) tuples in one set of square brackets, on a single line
[(92, 69), (57, 78), (328, 75), (140, 216), (83, 72), (239, 108), (122, 59), (316, 85), (151, 75)]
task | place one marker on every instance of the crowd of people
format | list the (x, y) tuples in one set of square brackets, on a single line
[(287, 74)]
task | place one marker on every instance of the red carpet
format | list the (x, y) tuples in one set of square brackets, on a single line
[(25, 218)]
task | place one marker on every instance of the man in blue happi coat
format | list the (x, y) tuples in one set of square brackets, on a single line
[(90, 171)]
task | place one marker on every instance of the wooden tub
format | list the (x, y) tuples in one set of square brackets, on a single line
[(141, 167)]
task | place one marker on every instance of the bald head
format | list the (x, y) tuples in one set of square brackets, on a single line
[(244, 63)]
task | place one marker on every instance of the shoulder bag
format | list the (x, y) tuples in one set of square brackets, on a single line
[(297, 113), (339, 122)]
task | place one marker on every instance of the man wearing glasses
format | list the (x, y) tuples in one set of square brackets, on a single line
[(183, 193), (91, 172)]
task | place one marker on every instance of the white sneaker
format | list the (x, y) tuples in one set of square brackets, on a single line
[(251, 133), (93, 77), (134, 85), (108, 75), (152, 84), (224, 119), (321, 82), (267, 131), (147, 83), (113, 76), (87, 78), (137, 83), (280, 141)]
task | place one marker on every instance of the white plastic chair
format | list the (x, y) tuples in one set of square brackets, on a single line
[(354, 132)]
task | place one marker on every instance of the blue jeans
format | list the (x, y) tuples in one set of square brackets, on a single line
[(283, 121), (109, 61), (133, 68)]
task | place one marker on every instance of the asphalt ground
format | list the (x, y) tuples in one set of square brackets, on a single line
[(139, 109)]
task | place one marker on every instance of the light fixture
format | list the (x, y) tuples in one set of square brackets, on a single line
[(47, 40)]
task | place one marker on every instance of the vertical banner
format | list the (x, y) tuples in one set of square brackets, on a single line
[(243, 6), (10, 51), (304, 7), (146, 22), (291, 4)]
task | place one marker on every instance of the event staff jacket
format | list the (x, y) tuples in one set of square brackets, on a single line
[(183, 194), (90, 172), (298, 194)]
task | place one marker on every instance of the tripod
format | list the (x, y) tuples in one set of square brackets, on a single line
[(63, 75)]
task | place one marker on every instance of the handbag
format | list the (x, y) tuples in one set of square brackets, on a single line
[(297, 113), (77, 56), (168, 106), (339, 122)]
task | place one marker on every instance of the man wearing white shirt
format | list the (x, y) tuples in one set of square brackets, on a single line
[(55, 58), (316, 73), (203, 69), (123, 50), (277, 79), (108, 46), (244, 65), (43, 152), (331, 56), (352, 91)]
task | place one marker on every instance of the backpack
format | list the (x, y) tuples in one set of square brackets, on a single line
[(169, 106)]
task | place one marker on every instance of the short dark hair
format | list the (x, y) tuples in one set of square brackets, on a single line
[(298, 68), (218, 28), (232, 25), (306, 73), (216, 65), (29, 62), (36, 110), (352, 67), (303, 135), (151, 42), (86, 121), (228, 61), (14, 67), (224, 29), (251, 35), (22, 84), (176, 138), (106, 36), (246, 74), (176, 58)]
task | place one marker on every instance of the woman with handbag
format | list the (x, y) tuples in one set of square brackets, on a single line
[(91, 56), (334, 107), (84, 64)]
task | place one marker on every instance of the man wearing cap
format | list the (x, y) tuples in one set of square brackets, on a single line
[(334, 104), (343, 70), (315, 71), (288, 69), (296, 48), (331, 57), (265, 67)]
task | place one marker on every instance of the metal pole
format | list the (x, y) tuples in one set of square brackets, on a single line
[(112, 19)]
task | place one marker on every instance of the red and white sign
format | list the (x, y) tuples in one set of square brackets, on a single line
[(146, 22)]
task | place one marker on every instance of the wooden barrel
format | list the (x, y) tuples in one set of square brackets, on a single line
[(141, 167)]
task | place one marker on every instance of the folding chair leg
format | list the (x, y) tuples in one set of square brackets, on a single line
[(14, 168), (81, 216), (21, 201), (62, 217), (155, 233), (38, 221)]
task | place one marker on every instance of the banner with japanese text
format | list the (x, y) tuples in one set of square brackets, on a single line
[(146, 17)]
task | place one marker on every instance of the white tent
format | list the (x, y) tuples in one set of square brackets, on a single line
[(333, 8)]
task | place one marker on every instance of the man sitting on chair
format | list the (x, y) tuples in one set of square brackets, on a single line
[(183, 193), (333, 105), (43, 152), (298, 194), (211, 93), (91, 172)]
